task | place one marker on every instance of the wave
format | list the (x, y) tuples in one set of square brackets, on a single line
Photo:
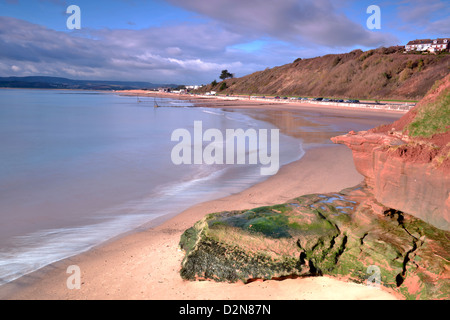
[(210, 111), (39, 249)]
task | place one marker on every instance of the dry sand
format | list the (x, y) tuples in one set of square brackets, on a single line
[(145, 264)]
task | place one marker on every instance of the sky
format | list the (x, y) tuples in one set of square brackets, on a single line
[(191, 41)]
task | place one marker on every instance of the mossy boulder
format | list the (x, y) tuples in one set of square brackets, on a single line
[(342, 234)]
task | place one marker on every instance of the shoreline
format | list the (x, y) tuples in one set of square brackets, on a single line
[(144, 264), (109, 271), (245, 103)]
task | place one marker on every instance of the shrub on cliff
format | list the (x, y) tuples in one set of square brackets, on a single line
[(223, 86), (433, 117)]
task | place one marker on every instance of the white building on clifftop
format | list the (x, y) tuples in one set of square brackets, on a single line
[(428, 45)]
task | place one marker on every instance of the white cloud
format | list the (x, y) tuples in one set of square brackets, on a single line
[(118, 54), (314, 21), (174, 51), (431, 16)]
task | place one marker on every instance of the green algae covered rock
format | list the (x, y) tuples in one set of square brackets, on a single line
[(344, 235)]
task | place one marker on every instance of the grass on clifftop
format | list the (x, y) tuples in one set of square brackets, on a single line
[(433, 118)]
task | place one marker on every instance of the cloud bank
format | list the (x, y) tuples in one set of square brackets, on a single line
[(115, 54), (316, 21), (241, 36)]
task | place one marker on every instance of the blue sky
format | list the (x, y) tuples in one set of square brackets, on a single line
[(191, 41)]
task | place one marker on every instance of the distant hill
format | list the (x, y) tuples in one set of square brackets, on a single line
[(384, 73), (63, 83)]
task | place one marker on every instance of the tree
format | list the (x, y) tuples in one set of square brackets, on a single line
[(214, 83), (223, 86), (225, 75)]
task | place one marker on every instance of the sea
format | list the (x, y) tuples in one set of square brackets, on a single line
[(79, 168)]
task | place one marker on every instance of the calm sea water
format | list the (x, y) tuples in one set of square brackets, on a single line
[(80, 168)]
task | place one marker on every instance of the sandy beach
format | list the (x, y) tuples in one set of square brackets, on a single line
[(145, 264), (248, 102)]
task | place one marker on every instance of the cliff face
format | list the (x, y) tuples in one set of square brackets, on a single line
[(406, 171), (415, 187), (384, 73)]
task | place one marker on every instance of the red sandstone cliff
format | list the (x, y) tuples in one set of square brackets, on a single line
[(409, 173)]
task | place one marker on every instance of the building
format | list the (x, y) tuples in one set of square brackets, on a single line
[(419, 45), (428, 45), (439, 45), (193, 87)]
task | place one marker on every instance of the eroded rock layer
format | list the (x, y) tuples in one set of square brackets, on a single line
[(408, 183), (347, 234), (406, 164)]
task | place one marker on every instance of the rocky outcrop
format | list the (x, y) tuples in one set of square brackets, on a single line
[(347, 235), (407, 164), (401, 175)]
